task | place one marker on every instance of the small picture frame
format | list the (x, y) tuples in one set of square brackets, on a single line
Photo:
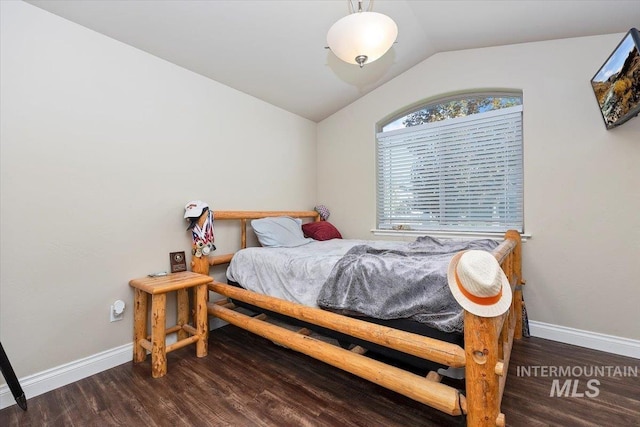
[(178, 261)]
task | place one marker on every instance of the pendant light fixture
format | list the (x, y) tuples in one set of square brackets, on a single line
[(362, 37)]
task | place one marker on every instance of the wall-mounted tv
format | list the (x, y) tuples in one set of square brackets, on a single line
[(617, 83)]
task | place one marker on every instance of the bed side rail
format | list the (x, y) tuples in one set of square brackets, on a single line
[(417, 345)]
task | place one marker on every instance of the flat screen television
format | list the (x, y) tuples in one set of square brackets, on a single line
[(617, 83)]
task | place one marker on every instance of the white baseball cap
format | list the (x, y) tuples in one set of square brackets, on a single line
[(194, 208)]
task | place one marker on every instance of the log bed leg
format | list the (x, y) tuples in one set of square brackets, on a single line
[(201, 320), (434, 376), (182, 301), (481, 381), (158, 335), (359, 350), (140, 325)]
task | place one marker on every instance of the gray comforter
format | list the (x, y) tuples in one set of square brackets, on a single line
[(408, 282)]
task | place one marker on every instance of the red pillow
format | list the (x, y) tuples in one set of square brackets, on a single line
[(321, 230)]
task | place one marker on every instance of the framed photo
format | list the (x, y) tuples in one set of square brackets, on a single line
[(616, 85)]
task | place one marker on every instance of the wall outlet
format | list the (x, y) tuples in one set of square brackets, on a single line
[(117, 311), (113, 317)]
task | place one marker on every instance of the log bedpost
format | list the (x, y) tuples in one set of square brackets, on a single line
[(487, 342), (200, 265), (519, 281), (481, 381)]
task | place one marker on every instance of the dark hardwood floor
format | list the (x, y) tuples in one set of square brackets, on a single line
[(248, 381)]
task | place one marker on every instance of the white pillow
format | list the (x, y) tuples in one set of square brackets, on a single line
[(279, 232)]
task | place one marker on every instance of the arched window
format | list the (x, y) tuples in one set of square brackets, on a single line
[(453, 165)]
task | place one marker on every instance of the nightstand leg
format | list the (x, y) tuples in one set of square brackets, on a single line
[(201, 319), (158, 335), (139, 325), (182, 297)]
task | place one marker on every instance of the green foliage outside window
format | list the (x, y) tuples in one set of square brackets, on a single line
[(452, 109)]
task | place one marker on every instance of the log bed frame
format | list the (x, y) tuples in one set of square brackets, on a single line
[(487, 341)]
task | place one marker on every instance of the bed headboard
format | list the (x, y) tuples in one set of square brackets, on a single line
[(201, 265), (245, 215)]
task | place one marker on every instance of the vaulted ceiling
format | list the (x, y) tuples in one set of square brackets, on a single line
[(275, 49)]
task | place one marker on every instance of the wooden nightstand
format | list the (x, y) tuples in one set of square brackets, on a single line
[(158, 287)]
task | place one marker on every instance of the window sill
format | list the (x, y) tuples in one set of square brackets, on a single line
[(465, 235)]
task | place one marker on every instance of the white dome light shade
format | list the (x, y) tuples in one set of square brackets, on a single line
[(362, 34)]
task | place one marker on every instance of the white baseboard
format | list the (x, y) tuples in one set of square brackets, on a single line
[(51, 379), (42, 382), (593, 340)]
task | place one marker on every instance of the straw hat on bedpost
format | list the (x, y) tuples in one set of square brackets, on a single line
[(478, 283)]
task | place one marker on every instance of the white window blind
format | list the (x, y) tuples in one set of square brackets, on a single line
[(462, 174)]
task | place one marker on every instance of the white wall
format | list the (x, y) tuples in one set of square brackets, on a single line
[(582, 182), (101, 147)]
